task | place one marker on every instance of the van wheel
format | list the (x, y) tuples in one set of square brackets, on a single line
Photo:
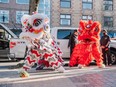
[(17, 60), (113, 57)]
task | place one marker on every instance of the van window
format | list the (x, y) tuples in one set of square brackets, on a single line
[(4, 39), (64, 34)]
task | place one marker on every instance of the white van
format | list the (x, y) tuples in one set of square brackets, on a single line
[(11, 47), (61, 36)]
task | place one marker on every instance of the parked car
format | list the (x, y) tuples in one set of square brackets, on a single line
[(113, 51)]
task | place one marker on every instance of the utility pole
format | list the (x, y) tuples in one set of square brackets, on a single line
[(33, 6)]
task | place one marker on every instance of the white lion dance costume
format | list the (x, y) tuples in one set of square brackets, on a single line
[(42, 49)]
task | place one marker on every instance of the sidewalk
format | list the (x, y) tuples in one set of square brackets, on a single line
[(73, 77)]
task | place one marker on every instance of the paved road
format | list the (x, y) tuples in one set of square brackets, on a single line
[(73, 77)]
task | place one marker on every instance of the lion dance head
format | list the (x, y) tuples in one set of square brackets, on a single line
[(89, 30), (34, 26)]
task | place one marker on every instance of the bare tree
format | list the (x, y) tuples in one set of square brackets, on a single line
[(33, 6)]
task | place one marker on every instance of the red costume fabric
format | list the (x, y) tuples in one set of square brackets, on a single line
[(88, 47)]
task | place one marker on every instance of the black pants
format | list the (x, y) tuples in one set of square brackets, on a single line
[(71, 50), (106, 56)]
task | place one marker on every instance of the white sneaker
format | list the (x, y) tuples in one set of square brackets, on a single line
[(23, 73), (102, 66), (60, 69), (80, 66)]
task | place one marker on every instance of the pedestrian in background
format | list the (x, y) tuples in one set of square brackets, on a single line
[(72, 41), (105, 41)]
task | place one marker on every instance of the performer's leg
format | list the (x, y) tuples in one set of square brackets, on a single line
[(81, 62), (108, 57), (76, 56), (88, 54), (89, 59), (28, 63), (97, 55), (41, 64), (70, 51), (73, 59), (30, 60), (57, 52), (84, 59), (53, 62), (104, 56)]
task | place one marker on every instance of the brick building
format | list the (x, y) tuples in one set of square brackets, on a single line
[(62, 13), (11, 12)]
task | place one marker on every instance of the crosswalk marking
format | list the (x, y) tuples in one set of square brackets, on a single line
[(49, 74)]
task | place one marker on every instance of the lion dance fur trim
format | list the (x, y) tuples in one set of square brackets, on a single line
[(88, 47)]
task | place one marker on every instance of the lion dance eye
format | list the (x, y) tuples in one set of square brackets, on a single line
[(37, 22), (46, 27)]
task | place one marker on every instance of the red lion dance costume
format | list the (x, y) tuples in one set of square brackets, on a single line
[(88, 47)]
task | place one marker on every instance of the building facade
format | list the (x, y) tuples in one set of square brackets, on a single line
[(68, 13), (62, 13), (11, 12)]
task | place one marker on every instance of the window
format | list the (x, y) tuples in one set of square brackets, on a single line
[(65, 3), (47, 1), (41, 5), (65, 19), (108, 5), (41, 11), (87, 4), (22, 1), (19, 14), (4, 16), (64, 34), (47, 13), (44, 7), (4, 1), (87, 17), (108, 21)]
